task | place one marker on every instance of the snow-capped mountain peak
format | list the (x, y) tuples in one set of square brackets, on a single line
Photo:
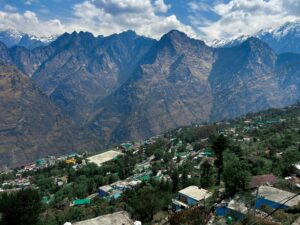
[(285, 38), (12, 37), (229, 43)]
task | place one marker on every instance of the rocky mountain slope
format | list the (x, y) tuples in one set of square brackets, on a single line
[(183, 81), (169, 89), (83, 69), (126, 87), (243, 80), (79, 68), (31, 126)]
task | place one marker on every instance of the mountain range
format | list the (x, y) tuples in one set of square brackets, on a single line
[(283, 39), (14, 38), (83, 92)]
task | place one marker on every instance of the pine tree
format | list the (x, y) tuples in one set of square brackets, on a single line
[(220, 144)]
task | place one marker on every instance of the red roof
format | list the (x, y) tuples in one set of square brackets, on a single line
[(268, 179)]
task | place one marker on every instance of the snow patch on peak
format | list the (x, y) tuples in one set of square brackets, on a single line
[(11, 37), (229, 43), (289, 30), (44, 39)]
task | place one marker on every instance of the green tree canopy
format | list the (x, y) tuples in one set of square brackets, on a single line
[(236, 174), (20, 208)]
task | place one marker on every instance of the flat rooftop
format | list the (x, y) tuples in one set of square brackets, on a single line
[(195, 192), (277, 195), (118, 218), (106, 188), (103, 157)]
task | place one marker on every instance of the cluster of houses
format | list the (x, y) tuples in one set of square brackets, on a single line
[(16, 184), (20, 181), (263, 191), (114, 190), (262, 187)]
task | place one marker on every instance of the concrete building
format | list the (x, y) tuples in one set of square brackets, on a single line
[(275, 198), (236, 208), (188, 197), (104, 190)]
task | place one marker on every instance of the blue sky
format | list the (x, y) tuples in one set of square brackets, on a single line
[(203, 19)]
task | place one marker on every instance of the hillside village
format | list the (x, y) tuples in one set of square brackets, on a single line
[(242, 171)]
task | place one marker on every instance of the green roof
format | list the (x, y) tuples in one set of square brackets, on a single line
[(268, 122), (84, 201), (72, 155), (40, 161), (45, 200), (208, 153), (145, 177)]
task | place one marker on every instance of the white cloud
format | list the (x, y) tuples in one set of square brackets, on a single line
[(10, 8), (150, 18), (199, 6), (239, 17), (146, 17), (161, 6), (114, 16), (29, 23)]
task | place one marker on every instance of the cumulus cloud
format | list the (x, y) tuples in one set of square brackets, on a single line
[(161, 6), (105, 17), (29, 23), (114, 16), (239, 17), (208, 19)]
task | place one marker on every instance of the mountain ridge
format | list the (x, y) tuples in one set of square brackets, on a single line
[(282, 39), (14, 38), (128, 87)]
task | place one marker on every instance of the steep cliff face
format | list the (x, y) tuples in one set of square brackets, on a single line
[(169, 89), (243, 80)]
